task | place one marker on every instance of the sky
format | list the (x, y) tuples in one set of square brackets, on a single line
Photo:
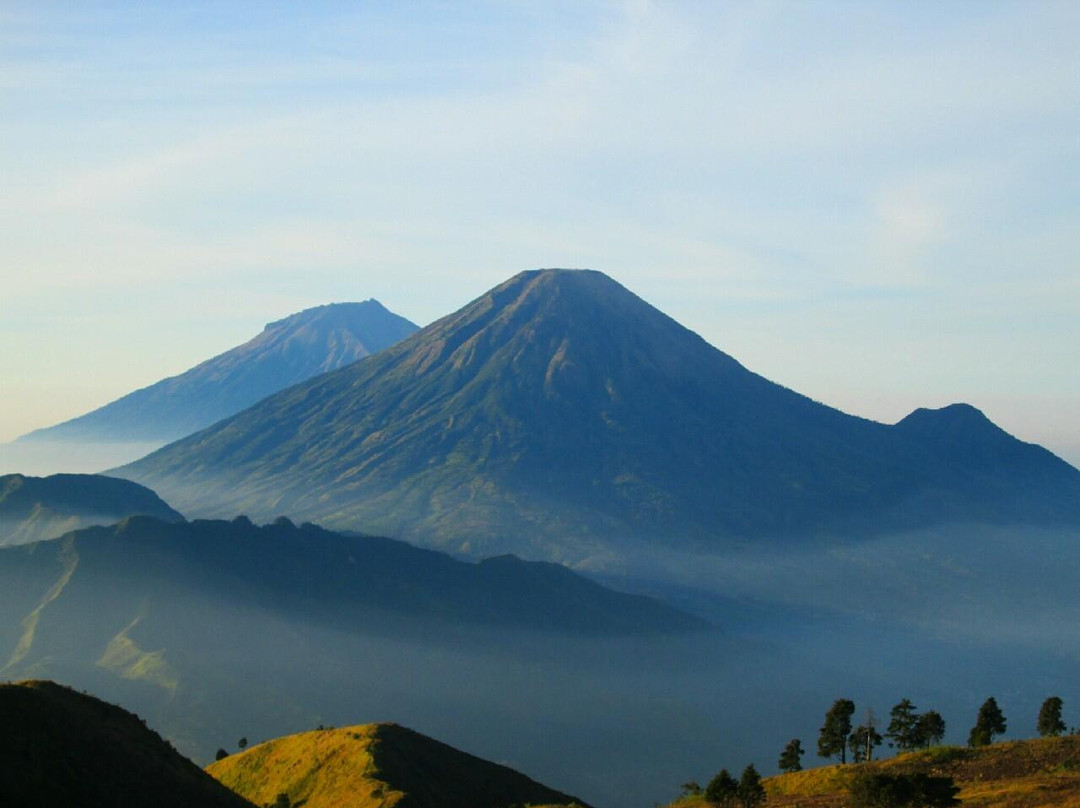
[(876, 204)]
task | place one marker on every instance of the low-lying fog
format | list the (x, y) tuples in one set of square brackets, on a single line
[(42, 458), (945, 617)]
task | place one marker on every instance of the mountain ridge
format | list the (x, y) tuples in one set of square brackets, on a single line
[(372, 765), (38, 508)]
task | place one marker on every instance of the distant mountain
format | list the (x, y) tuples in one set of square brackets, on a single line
[(37, 508), (560, 416), (374, 765), (288, 351), (61, 748), (143, 583)]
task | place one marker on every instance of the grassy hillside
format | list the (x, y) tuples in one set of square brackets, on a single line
[(62, 748), (1017, 774), (375, 766)]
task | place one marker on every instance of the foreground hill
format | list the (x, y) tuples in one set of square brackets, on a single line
[(37, 508), (1015, 774), (562, 416), (373, 766), (62, 749), (287, 351)]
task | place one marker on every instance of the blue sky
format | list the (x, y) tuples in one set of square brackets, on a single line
[(877, 205)]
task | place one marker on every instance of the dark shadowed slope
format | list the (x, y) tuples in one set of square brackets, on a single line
[(560, 415), (376, 765), (37, 508), (286, 352), (60, 749), (99, 595)]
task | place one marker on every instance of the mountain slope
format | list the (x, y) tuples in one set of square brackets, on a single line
[(562, 416), (287, 351), (1015, 774), (37, 508), (61, 748), (376, 765), (102, 594)]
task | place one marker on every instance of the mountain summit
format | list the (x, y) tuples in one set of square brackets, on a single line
[(287, 351), (560, 415)]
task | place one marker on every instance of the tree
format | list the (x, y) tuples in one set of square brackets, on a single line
[(870, 790), (1050, 724), (862, 741), (242, 743), (690, 789), (751, 792), (834, 734), (722, 790), (930, 729), (282, 801), (903, 726), (989, 722), (221, 754), (790, 758)]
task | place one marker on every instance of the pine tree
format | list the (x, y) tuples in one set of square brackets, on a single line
[(722, 790), (862, 741), (834, 734), (930, 729), (790, 758), (902, 728), (751, 792), (1050, 724), (989, 722)]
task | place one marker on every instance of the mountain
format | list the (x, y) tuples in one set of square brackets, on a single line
[(61, 748), (151, 569), (375, 765), (561, 416), (36, 508), (287, 351)]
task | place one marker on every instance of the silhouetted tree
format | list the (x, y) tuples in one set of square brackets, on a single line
[(221, 754), (282, 801), (691, 789), (751, 792), (903, 725), (722, 789), (1050, 724), (242, 743), (989, 722), (834, 734), (790, 758), (930, 729), (862, 741)]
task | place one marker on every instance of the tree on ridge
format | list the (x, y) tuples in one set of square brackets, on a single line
[(1050, 724), (988, 723), (834, 734), (791, 757)]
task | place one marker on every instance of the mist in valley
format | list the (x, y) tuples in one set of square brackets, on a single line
[(40, 458), (945, 617)]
